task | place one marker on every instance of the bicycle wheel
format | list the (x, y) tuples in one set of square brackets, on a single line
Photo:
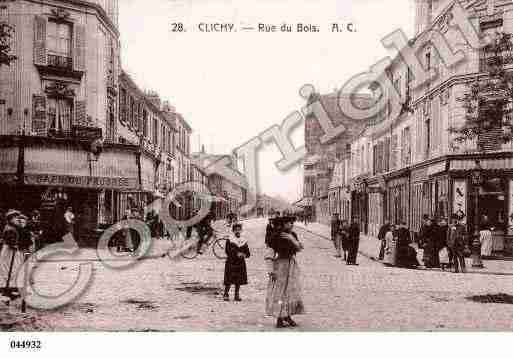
[(219, 248)]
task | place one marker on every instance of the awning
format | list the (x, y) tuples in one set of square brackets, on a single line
[(305, 202)]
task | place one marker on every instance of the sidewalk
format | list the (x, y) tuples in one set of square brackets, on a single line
[(369, 247)]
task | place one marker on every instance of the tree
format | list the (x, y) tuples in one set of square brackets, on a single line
[(488, 104), (6, 34)]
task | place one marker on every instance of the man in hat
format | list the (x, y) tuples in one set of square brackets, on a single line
[(456, 243), (354, 243), (335, 235)]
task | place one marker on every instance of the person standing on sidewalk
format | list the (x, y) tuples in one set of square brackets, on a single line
[(354, 243), (381, 237), (456, 244), (235, 272), (336, 235), (344, 237), (283, 298), (11, 257)]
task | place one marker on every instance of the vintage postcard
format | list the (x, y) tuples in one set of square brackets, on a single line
[(255, 166)]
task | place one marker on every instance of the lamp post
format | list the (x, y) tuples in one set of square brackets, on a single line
[(477, 181)]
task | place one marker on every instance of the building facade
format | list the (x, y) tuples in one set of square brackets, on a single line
[(76, 130), (411, 165), (319, 164)]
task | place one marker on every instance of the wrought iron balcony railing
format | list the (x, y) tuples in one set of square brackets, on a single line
[(61, 62)]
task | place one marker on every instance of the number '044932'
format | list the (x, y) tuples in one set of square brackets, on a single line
[(25, 344)]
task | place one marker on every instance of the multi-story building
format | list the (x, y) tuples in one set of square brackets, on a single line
[(76, 130), (58, 101), (183, 170), (414, 167), (229, 196), (319, 163), (144, 122)]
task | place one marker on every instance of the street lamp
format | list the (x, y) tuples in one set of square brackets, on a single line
[(477, 181)]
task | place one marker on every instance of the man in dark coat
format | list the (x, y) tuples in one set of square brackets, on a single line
[(381, 237), (456, 243), (335, 234), (428, 234), (353, 243)]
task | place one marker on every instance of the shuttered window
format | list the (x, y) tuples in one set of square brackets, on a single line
[(40, 57), (79, 53)]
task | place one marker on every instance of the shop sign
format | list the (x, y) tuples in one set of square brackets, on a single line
[(460, 198), (80, 181)]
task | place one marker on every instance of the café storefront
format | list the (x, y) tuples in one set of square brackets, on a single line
[(51, 175)]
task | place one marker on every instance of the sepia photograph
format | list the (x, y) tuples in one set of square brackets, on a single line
[(250, 166)]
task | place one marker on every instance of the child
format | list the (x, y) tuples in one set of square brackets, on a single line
[(235, 271)]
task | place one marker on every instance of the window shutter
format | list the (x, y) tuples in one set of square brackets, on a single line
[(40, 57), (79, 47), (39, 121), (80, 114)]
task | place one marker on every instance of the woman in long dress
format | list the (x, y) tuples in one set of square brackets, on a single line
[(486, 239), (284, 291), (235, 272)]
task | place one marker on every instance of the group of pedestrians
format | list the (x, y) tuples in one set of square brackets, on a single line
[(444, 245), (395, 246), (19, 237), (346, 239), (283, 295)]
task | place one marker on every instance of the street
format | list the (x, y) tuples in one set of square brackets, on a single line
[(186, 295)]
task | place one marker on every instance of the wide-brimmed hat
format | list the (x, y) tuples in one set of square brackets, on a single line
[(12, 213)]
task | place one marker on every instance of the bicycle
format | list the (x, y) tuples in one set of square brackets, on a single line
[(217, 243)]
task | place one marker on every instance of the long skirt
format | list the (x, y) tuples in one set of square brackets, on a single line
[(284, 294), (6, 257), (486, 243)]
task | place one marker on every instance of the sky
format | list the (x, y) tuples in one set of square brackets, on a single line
[(232, 86)]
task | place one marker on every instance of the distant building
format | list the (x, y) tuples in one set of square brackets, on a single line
[(321, 158)]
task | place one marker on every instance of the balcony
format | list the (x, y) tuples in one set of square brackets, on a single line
[(61, 66), (60, 62)]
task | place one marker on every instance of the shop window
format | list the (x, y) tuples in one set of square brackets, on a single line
[(60, 115)]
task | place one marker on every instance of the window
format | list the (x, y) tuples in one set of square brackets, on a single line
[(428, 136), (155, 132), (145, 124), (59, 39), (59, 114), (406, 147)]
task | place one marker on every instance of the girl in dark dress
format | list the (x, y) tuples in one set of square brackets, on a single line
[(235, 272)]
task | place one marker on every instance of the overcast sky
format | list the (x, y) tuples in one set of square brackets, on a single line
[(232, 86)]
